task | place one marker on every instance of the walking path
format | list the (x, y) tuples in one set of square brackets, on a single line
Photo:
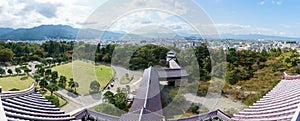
[(222, 103), (120, 72), (76, 102)]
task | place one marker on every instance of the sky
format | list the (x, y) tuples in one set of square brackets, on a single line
[(269, 17)]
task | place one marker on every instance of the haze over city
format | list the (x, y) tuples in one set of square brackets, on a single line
[(267, 17)]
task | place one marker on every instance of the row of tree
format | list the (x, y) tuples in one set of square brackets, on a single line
[(22, 52), (17, 70)]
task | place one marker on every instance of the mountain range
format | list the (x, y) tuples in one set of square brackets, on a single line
[(45, 32)]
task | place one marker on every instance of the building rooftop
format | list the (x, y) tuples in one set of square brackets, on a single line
[(281, 103), (29, 105)]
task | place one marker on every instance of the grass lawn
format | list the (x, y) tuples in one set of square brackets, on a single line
[(85, 73), (126, 80), (19, 82), (108, 108)]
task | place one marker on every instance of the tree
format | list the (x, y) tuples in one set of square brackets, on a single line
[(53, 99), (27, 70), (43, 83), (54, 76), (73, 84), (18, 70), (76, 85), (194, 109), (62, 81), (6, 55), (37, 78), (2, 71), (231, 77), (120, 99), (41, 71), (108, 108), (289, 59), (121, 104), (48, 72), (38, 66), (9, 71), (109, 96), (95, 86), (52, 87)]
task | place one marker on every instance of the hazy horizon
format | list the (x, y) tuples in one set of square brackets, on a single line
[(265, 17)]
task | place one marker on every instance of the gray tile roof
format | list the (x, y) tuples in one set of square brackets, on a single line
[(30, 105), (171, 73), (147, 102)]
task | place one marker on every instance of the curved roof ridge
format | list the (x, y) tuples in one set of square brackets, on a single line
[(291, 77), (10, 94)]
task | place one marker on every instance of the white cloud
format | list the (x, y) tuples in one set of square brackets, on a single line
[(29, 13), (274, 2), (144, 20), (158, 20), (245, 29), (285, 26), (277, 2), (76, 13)]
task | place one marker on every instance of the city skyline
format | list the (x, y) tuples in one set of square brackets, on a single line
[(268, 17)]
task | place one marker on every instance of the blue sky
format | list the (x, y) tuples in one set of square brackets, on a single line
[(269, 17), (280, 15)]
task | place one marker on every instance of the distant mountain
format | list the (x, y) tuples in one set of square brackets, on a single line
[(58, 32), (156, 35), (5, 30), (256, 37), (44, 32)]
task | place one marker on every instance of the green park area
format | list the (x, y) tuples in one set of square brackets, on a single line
[(18, 82), (126, 79), (84, 73)]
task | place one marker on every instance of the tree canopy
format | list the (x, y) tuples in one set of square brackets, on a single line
[(95, 86), (6, 55)]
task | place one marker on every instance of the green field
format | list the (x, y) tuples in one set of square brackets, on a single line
[(84, 73), (126, 80), (19, 82)]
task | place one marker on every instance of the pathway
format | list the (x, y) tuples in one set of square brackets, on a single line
[(76, 102), (222, 103)]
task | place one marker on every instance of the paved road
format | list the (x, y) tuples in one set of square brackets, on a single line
[(76, 102), (222, 103), (120, 72), (30, 65)]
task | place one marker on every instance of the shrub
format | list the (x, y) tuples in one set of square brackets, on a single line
[(14, 89), (252, 98), (194, 109), (108, 109), (53, 99)]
